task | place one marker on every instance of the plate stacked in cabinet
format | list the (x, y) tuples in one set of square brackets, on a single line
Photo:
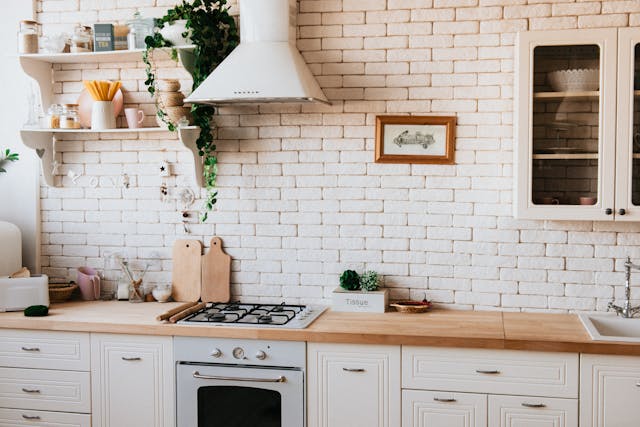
[(45, 378)]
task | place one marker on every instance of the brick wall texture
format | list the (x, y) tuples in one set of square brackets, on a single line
[(300, 198)]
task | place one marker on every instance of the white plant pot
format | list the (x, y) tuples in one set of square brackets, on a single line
[(360, 301), (172, 32)]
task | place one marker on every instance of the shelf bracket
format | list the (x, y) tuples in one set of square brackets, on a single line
[(188, 137), (44, 144), (42, 73)]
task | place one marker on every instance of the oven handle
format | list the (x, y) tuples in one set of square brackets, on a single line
[(280, 379)]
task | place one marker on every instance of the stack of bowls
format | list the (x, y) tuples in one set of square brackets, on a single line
[(172, 100)]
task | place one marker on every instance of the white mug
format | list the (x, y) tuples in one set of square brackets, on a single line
[(102, 116), (134, 117)]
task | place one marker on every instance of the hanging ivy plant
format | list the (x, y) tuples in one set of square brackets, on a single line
[(7, 156), (214, 34)]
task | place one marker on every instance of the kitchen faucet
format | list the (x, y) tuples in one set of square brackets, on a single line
[(626, 311)]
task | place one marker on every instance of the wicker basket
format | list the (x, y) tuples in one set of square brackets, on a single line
[(412, 306), (61, 292)]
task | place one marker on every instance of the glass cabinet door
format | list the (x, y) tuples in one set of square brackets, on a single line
[(628, 129), (565, 105)]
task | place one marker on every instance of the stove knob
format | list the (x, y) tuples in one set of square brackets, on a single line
[(261, 355), (216, 352)]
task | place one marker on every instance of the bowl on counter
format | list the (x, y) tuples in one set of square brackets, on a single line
[(161, 293)]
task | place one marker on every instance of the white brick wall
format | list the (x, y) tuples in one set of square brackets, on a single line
[(300, 197)]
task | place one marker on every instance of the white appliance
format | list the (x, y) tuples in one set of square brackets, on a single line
[(10, 249), (266, 66), (19, 293), (238, 383)]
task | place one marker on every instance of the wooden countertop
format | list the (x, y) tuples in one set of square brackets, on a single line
[(441, 328)]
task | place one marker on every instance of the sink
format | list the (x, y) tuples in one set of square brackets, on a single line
[(611, 328)]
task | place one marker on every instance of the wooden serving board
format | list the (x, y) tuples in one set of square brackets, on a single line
[(187, 265), (216, 273)]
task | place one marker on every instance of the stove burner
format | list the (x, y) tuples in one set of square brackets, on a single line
[(265, 318), (216, 317)]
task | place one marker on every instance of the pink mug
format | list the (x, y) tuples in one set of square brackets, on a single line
[(89, 283), (134, 117)]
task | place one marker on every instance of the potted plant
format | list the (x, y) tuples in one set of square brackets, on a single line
[(209, 27), (8, 156), (360, 293)]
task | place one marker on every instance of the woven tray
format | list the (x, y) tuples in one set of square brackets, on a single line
[(61, 292)]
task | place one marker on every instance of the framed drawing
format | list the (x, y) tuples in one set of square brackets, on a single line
[(415, 139)]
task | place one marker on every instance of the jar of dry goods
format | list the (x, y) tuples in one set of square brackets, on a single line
[(28, 37), (69, 117), (53, 116), (82, 39)]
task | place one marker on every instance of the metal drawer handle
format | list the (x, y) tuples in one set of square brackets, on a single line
[(638, 384), (534, 405), (443, 399), (31, 417), (353, 369), (280, 379), (30, 349), (131, 359), (30, 390), (487, 371)]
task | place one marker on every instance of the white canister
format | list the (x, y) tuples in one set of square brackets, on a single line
[(102, 116)]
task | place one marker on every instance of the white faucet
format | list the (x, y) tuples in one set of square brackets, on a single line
[(626, 311)]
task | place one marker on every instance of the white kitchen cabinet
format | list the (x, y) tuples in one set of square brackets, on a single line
[(576, 158), (609, 391), (353, 385), (21, 417), (527, 411), (132, 381), (443, 409)]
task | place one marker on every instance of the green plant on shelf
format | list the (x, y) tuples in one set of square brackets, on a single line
[(214, 34), (6, 157)]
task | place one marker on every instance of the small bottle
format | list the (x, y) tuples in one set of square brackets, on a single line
[(131, 38), (69, 117), (53, 116), (28, 37)]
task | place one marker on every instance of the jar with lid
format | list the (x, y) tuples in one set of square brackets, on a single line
[(69, 117), (82, 39), (53, 116), (28, 37)]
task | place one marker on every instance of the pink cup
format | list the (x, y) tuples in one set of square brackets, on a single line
[(89, 283), (134, 117)]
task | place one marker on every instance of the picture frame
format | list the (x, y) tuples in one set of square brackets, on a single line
[(415, 139)]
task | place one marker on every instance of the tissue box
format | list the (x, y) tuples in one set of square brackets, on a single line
[(359, 301), (20, 293)]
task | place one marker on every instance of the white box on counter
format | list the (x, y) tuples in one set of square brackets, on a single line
[(19, 293), (359, 301)]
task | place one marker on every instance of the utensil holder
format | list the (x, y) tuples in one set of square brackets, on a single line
[(102, 116)]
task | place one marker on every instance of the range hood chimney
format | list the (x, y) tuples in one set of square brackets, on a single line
[(265, 66)]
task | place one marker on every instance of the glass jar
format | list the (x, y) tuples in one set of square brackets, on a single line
[(82, 40), (53, 116), (136, 293), (28, 37), (139, 29), (69, 117)]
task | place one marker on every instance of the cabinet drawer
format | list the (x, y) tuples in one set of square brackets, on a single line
[(512, 411), (490, 371), (44, 349), (443, 409), (21, 417), (45, 389)]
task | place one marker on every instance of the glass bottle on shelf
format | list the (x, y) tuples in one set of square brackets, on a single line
[(28, 34), (69, 117), (82, 39), (565, 121)]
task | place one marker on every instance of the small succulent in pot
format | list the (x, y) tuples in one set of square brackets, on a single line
[(369, 281), (350, 280)]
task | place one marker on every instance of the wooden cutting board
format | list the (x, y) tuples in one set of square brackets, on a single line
[(216, 273), (187, 265)]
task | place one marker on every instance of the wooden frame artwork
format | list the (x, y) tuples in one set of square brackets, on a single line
[(415, 139)]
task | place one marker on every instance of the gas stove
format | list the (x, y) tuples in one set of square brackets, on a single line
[(284, 316)]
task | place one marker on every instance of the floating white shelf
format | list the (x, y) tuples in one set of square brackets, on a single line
[(43, 142), (572, 96), (568, 156), (95, 57)]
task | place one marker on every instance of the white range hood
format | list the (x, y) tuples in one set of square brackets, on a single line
[(266, 66)]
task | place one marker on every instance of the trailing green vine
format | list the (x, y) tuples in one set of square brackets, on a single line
[(214, 34), (7, 156)]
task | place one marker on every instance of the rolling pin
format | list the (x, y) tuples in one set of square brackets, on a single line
[(176, 310)]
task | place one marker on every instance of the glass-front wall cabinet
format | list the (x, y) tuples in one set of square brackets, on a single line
[(566, 125)]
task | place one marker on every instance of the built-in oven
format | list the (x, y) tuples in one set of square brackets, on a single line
[(239, 383)]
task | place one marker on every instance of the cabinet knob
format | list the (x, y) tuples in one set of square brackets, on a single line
[(533, 405), (444, 399), (353, 369), (31, 390), (216, 352), (32, 349), (261, 355), (31, 417), (131, 359), (487, 371), (608, 211), (621, 211)]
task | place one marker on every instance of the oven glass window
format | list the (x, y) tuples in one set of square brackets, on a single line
[(232, 406)]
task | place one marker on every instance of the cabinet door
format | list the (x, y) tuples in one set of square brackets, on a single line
[(132, 381), (443, 409), (566, 129), (628, 126), (609, 391), (353, 385), (526, 411)]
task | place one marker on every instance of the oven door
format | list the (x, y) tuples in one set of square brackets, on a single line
[(237, 396)]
